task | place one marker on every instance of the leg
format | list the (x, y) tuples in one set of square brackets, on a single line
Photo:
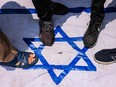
[(9, 56), (45, 9), (6, 53), (97, 11), (97, 16)]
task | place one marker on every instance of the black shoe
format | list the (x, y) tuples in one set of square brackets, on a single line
[(91, 35), (46, 32), (106, 56), (59, 9)]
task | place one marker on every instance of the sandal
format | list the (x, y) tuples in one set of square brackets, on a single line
[(21, 60)]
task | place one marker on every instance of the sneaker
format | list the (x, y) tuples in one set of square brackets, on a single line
[(106, 56), (59, 9), (91, 35), (46, 32)]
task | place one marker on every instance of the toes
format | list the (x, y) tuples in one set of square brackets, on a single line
[(31, 59), (32, 55), (18, 63)]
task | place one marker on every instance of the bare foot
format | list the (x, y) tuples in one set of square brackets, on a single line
[(31, 59)]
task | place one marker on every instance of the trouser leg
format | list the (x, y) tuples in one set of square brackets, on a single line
[(97, 10), (43, 9), (7, 52)]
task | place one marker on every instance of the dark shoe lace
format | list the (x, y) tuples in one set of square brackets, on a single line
[(47, 26)]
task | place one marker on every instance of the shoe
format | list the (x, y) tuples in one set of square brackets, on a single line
[(91, 35), (46, 32), (106, 56), (59, 9)]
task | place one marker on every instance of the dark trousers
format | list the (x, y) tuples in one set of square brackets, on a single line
[(97, 9), (43, 8)]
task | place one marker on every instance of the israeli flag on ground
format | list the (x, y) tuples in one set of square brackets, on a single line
[(67, 63)]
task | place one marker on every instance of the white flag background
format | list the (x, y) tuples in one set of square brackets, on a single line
[(60, 65)]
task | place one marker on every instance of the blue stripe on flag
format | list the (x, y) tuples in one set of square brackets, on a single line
[(71, 10)]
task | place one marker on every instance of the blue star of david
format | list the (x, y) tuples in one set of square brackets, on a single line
[(66, 68)]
